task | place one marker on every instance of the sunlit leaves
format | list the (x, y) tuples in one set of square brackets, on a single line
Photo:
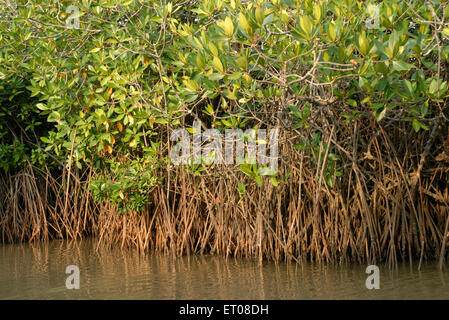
[(306, 26), (123, 76), (243, 22), (228, 26), (217, 64), (364, 46)]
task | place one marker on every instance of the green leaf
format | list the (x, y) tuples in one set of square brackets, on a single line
[(191, 84), (351, 102), (332, 31), (329, 181), (446, 30), (209, 110), (213, 49), (54, 116), (215, 76), (242, 62), (380, 113), (416, 125), (235, 76), (268, 19), (409, 87), (317, 12), (259, 15), (241, 188), (433, 86), (133, 143), (227, 123), (244, 23), (306, 25), (41, 106), (228, 27), (217, 64), (402, 66), (364, 47)]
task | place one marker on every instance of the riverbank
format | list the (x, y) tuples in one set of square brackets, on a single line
[(115, 128), (374, 213)]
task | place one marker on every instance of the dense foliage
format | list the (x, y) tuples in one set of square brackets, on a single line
[(106, 92)]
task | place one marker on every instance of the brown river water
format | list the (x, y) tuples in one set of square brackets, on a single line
[(38, 271)]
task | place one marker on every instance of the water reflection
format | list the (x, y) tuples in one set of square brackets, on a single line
[(37, 271)]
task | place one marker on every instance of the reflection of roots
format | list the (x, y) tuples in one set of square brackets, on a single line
[(372, 213)]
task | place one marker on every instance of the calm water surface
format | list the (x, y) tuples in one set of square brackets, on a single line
[(37, 271)]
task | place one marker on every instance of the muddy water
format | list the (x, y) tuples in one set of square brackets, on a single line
[(38, 271)]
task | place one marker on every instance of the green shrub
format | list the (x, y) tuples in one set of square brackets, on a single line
[(112, 89)]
